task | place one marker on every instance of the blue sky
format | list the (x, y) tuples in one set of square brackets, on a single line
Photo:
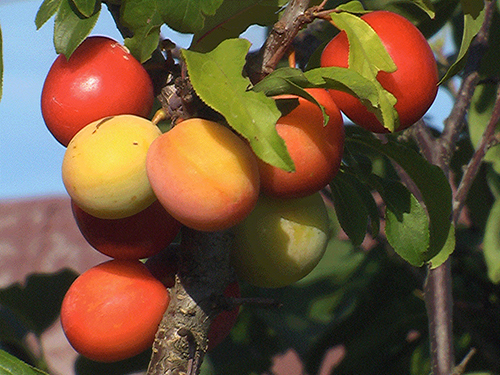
[(30, 158)]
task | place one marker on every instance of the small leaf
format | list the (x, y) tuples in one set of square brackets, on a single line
[(144, 19), (407, 225), (346, 80), (353, 7), (446, 251), (70, 30), (479, 115), (429, 179), (46, 11), (491, 244), (10, 365), (87, 7), (37, 303), (472, 25), (217, 79), (278, 84), (350, 207), (427, 6), (142, 46)]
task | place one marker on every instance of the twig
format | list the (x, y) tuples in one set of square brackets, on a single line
[(472, 168), (460, 369)]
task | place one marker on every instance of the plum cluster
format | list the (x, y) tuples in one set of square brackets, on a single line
[(132, 188)]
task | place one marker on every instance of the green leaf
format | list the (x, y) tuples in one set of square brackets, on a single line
[(46, 11), (480, 112), (217, 79), (367, 54), (346, 80), (429, 179), (144, 19), (353, 7), (407, 225), (350, 207), (472, 25), (87, 7), (427, 6), (291, 80), (234, 17), (491, 244), (37, 303), (446, 251), (10, 365), (279, 84), (187, 16), (70, 30)]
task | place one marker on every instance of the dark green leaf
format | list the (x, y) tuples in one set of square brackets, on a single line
[(87, 7), (142, 46), (46, 11), (144, 19), (352, 7), (480, 112), (10, 365), (234, 17), (217, 79), (70, 30), (187, 16), (280, 80), (426, 6), (429, 179), (471, 28), (350, 207), (279, 84), (37, 303), (407, 225)]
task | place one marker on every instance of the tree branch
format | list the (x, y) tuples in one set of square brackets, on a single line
[(181, 340)]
